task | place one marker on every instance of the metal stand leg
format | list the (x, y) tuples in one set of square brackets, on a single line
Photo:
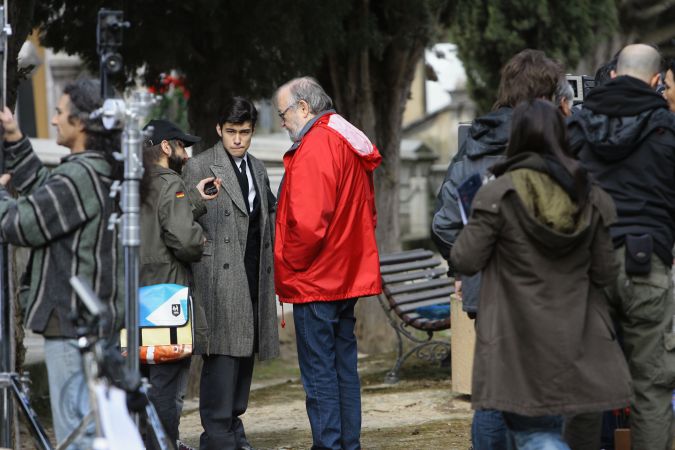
[(35, 427), (157, 430), (81, 430)]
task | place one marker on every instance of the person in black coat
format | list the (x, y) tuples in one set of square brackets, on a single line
[(625, 137)]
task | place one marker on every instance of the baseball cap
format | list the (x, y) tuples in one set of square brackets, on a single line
[(167, 130)]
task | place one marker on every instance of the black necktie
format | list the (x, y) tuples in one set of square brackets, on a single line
[(243, 183)]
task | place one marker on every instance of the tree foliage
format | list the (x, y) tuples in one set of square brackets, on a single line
[(489, 32), (364, 52), (649, 21), (222, 47)]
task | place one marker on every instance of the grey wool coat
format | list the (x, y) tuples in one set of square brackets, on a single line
[(222, 304)]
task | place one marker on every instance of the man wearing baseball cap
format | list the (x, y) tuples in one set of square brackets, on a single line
[(171, 239)]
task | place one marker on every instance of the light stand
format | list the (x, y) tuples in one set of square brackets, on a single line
[(115, 115), (133, 116)]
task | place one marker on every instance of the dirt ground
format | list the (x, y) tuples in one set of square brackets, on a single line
[(420, 412)]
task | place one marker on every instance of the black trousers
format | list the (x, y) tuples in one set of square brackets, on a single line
[(223, 397), (165, 380)]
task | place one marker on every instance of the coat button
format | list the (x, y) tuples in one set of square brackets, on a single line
[(227, 212), (226, 266), (267, 245), (269, 269), (227, 240)]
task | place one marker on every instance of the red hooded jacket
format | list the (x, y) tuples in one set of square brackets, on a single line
[(325, 246)]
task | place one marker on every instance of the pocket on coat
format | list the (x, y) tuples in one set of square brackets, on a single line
[(201, 328), (645, 299), (665, 371)]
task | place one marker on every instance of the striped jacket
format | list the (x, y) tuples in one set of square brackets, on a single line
[(63, 216)]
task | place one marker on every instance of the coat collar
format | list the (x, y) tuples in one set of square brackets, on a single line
[(156, 169), (222, 168), (308, 126)]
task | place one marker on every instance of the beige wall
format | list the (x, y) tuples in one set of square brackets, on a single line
[(439, 131), (415, 108)]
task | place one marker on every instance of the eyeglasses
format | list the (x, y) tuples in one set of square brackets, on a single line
[(282, 115)]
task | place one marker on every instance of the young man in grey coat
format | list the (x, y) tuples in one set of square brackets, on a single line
[(235, 311)]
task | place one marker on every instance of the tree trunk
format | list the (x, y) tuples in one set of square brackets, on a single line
[(20, 17), (373, 96)]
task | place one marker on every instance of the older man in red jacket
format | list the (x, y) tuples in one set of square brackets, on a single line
[(325, 253)]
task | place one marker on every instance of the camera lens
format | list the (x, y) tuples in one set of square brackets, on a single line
[(112, 62)]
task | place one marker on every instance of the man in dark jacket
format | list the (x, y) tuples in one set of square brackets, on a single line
[(625, 137), (528, 75), (171, 239)]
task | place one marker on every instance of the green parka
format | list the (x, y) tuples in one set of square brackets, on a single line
[(170, 236), (545, 343)]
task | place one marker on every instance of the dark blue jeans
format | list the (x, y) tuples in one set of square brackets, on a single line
[(324, 332), (488, 431), (536, 433), (165, 394)]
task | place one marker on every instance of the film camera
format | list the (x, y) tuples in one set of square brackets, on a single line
[(111, 24), (581, 85)]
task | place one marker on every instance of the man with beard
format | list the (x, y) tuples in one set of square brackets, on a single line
[(625, 138), (235, 309), (171, 239), (325, 253)]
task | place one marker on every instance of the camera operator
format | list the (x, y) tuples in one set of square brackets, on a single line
[(62, 215), (625, 138)]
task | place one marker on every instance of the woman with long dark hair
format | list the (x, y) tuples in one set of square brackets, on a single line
[(545, 344)]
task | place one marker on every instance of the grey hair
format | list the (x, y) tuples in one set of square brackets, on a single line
[(309, 90), (564, 91)]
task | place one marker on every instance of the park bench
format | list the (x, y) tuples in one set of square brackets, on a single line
[(410, 280)]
